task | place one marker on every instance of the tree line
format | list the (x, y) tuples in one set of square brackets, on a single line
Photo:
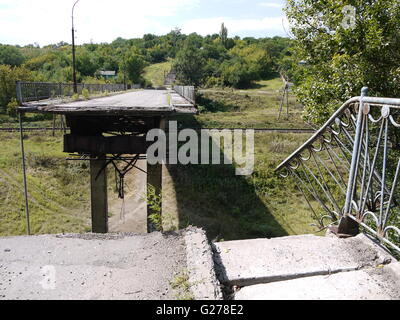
[(213, 60)]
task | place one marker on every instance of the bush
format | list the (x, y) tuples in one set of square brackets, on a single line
[(8, 78), (247, 64), (85, 93), (145, 83), (213, 82), (12, 108)]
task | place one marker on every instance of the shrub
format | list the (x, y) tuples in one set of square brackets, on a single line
[(85, 93), (12, 108)]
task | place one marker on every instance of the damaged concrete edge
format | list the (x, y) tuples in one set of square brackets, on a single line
[(394, 270), (383, 255), (246, 282), (200, 265)]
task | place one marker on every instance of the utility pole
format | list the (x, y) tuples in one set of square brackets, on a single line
[(73, 51)]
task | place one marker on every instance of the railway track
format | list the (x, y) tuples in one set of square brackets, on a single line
[(30, 129), (279, 130)]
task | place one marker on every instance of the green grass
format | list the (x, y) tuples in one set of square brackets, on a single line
[(155, 73), (248, 109), (231, 207), (58, 190), (267, 85)]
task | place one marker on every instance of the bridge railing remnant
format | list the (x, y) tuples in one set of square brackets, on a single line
[(34, 91), (348, 171), (188, 92)]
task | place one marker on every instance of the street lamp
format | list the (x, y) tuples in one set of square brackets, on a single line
[(73, 51)]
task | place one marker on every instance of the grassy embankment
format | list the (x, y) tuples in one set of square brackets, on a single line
[(155, 73), (213, 197), (57, 189)]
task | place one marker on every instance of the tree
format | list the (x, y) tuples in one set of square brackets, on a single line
[(345, 48), (189, 65), (223, 34), (10, 55), (85, 63), (174, 39), (157, 54), (8, 77), (133, 64), (247, 64)]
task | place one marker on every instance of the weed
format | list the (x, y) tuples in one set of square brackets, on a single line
[(181, 286), (85, 94), (154, 203)]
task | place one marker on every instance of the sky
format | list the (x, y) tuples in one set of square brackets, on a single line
[(44, 22)]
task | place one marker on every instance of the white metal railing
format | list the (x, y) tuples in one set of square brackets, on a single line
[(349, 170)]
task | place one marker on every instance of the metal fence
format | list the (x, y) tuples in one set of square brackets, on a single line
[(188, 92), (349, 169), (34, 91)]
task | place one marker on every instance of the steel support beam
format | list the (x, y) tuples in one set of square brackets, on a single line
[(105, 145)]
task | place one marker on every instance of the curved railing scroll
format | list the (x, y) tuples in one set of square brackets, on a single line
[(348, 171)]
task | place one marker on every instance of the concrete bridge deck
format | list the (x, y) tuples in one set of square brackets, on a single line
[(106, 267), (308, 268), (138, 102), (136, 267)]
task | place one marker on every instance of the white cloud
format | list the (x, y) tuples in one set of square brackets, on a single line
[(235, 26), (271, 5), (49, 21)]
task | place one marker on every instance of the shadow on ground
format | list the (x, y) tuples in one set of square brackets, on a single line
[(213, 197)]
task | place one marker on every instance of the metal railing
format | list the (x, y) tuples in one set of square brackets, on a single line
[(348, 171), (34, 91), (188, 92)]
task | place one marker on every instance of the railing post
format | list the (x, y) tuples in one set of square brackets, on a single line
[(28, 226), (347, 225), (19, 93)]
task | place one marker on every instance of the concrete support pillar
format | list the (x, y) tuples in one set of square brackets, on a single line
[(154, 179), (98, 187)]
